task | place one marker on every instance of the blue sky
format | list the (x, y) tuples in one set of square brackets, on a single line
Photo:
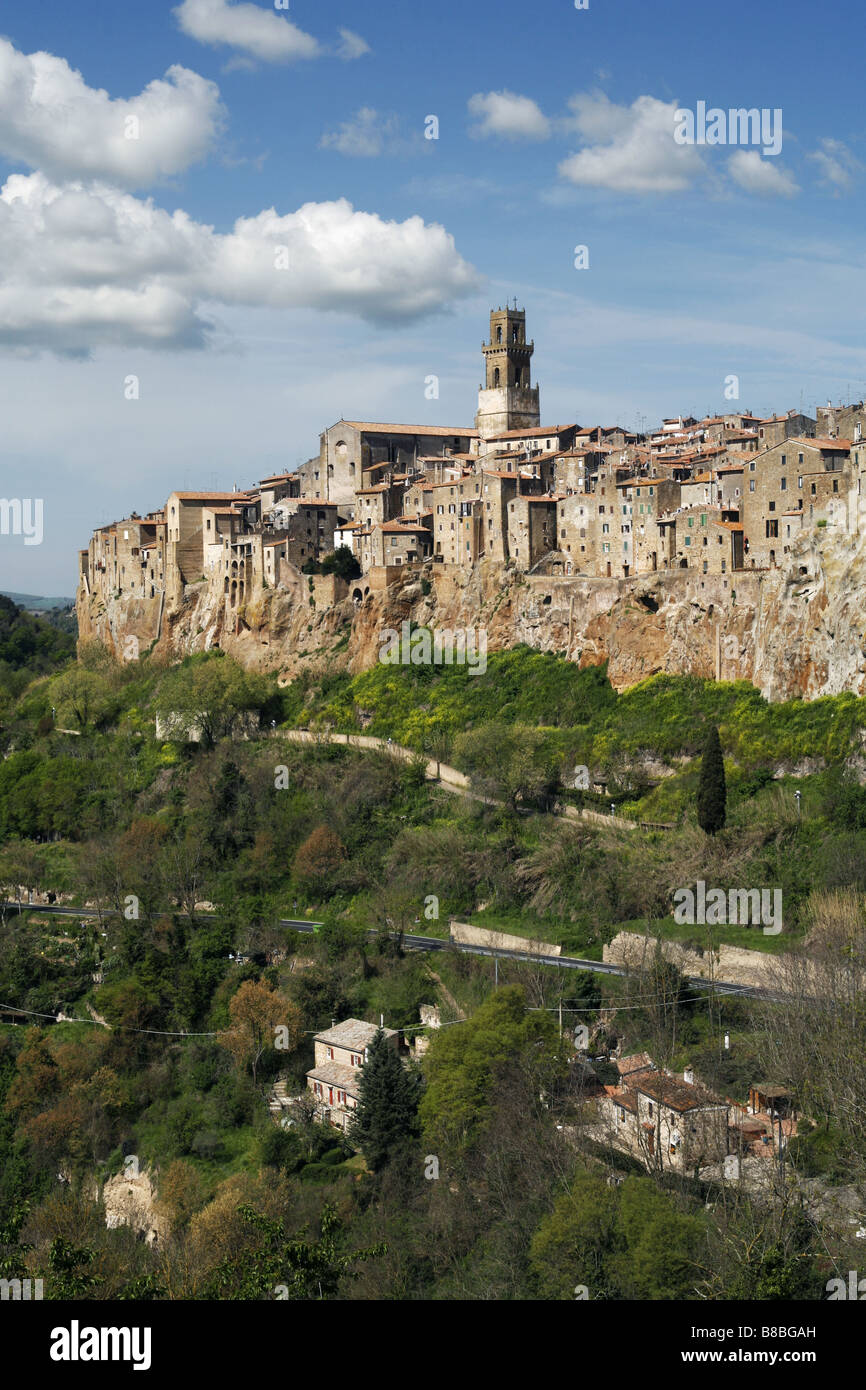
[(124, 257)]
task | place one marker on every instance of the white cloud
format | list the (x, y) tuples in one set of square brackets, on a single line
[(352, 46), (838, 165), (83, 267), (263, 34), (629, 149), (50, 118), (367, 134), (757, 175), (506, 114)]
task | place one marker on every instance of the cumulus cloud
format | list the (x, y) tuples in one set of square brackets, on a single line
[(84, 266), (51, 119), (839, 167), (507, 115), (352, 46), (757, 175), (367, 134), (629, 149), (263, 34)]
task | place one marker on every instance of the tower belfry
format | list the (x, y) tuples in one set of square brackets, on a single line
[(507, 400)]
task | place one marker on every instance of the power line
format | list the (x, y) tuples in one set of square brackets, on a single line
[(94, 1023)]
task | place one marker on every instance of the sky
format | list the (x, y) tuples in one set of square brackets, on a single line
[(224, 226)]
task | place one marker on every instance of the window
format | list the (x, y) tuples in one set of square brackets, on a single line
[(751, 485), (784, 484), (772, 506)]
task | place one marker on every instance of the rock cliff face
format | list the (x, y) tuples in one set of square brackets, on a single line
[(792, 631)]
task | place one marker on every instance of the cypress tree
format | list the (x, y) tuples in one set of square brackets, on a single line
[(712, 790), (387, 1110)]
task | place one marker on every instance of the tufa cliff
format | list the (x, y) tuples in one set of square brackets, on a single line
[(792, 631)]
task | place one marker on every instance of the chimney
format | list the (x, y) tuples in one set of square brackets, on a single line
[(688, 1075)]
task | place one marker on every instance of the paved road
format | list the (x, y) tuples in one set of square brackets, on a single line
[(437, 943)]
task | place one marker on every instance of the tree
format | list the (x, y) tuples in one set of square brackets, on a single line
[(575, 1240), (712, 791), (256, 1012), (318, 859), (462, 1064), (287, 1267), (83, 697), (211, 696), (342, 563), (388, 1095)]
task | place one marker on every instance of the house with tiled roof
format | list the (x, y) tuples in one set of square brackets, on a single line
[(339, 1054), (668, 1121)]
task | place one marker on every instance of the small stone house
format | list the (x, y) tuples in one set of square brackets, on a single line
[(339, 1054), (667, 1121)]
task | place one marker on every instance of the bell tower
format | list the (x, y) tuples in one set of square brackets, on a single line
[(507, 400)]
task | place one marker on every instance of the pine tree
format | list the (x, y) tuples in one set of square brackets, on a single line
[(388, 1095), (712, 791)]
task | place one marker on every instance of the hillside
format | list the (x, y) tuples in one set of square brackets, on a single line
[(30, 642), (160, 1055)]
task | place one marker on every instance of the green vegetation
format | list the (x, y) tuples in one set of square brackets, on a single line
[(712, 791), (472, 1172)]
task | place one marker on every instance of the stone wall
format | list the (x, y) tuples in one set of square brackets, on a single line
[(733, 964), (466, 935)]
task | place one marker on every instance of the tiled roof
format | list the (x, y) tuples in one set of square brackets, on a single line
[(334, 1074), (458, 431), (638, 1061), (535, 432), (242, 497), (353, 1033), (670, 1091), (823, 443)]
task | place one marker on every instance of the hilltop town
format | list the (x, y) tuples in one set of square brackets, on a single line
[(734, 518)]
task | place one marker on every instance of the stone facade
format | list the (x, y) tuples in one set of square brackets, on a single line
[(339, 1054)]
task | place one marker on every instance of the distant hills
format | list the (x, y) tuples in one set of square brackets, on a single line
[(33, 601)]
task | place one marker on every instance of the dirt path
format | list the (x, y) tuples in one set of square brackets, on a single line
[(447, 995)]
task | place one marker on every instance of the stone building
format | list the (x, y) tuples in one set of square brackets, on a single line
[(531, 529), (777, 428), (507, 401), (339, 1053), (352, 447), (667, 1122), (813, 476)]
